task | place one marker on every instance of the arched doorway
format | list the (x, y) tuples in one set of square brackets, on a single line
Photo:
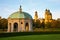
[(27, 27), (15, 27)]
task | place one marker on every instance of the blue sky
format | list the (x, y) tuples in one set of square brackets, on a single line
[(7, 7)]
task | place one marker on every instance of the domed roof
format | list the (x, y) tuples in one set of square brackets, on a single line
[(19, 14)]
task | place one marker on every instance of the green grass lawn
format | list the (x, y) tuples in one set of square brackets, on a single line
[(34, 37)]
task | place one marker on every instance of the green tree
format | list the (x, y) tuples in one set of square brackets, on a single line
[(48, 25), (0, 24), (4, 23), (55, 24), (36, 24), (42, 25)]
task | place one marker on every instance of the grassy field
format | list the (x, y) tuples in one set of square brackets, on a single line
[(34, 37)]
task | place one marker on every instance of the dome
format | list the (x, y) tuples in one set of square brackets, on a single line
[(19, 14)]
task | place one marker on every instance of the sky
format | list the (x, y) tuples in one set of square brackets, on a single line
[(7, 7)]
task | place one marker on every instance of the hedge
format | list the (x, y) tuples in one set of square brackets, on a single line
[(26, 33)]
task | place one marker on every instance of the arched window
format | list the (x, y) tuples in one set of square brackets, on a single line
[(15, 27), (27, 27)]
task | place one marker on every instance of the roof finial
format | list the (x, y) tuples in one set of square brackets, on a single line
[(46, 9), (20, 9)]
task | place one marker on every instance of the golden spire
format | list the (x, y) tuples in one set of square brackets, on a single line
[(36, 16), (20, 8)]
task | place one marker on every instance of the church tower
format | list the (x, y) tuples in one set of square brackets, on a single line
[(48, 16), (36, 16)]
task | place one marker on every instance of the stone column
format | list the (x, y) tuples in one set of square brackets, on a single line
[(30, 26), (24, 25), (12, 27), (18, 26), (9, 28)]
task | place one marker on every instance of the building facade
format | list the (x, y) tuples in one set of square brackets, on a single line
[(19, 22)]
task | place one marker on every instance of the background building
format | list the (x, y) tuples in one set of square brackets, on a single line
[(48, 16), (36, 16)]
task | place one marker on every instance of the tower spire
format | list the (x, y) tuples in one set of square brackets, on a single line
[(36, 16), (20, 8)]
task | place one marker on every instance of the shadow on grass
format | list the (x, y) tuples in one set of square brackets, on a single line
[(2, 35)]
